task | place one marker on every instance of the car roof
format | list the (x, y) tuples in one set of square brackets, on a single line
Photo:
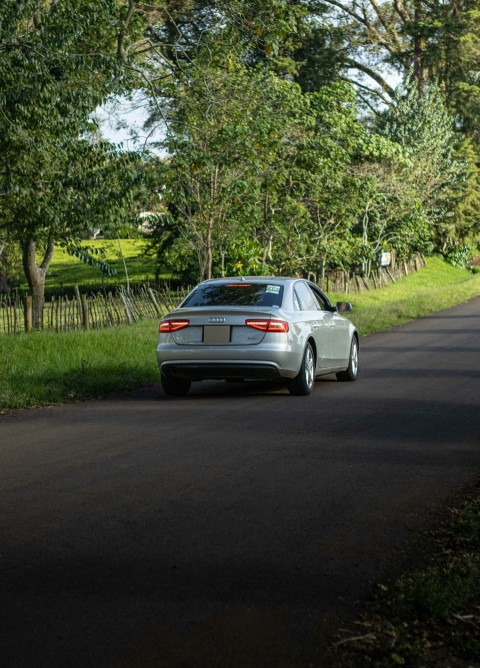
[(245, 279)]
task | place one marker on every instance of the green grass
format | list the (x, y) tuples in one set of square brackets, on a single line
[(44, 368), (436, 287), (66, 271)]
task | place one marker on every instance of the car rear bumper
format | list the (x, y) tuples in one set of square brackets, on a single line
[(216, 370), (275, 360)]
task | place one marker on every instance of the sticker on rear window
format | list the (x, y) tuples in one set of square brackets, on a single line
[(274, 289)]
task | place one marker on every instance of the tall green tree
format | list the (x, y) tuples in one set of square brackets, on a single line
[(419, 121), (438, 41), (59, 60), (269, 176), (230, 139), (432, 43), (259, 173)]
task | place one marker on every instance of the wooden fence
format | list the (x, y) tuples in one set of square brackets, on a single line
[(92, 311), (122, 307), (352, 282)]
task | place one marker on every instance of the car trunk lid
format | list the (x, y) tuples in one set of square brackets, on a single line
[(220, 326)]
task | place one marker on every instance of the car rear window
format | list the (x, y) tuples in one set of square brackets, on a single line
[(236, 294)]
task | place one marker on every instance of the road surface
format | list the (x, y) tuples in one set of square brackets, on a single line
[(228, 528)]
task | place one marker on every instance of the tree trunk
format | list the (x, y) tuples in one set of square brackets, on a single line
[(209, 252), (35, 275), (418, 49)]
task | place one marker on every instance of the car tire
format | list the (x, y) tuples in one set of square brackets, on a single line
[(350, 374), (304, 382), (175, 387)]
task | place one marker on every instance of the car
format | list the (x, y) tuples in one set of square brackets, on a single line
[(256, 328)]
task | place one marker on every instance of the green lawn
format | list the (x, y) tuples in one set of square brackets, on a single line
[(66, 271), (44, 368)]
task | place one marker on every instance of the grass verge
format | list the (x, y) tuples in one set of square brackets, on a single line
[(430, 617), (45, 368), (436, 287)]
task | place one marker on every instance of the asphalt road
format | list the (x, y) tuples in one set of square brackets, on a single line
[(225, 529)]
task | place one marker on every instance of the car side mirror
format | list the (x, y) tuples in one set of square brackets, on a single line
[(343, 307)]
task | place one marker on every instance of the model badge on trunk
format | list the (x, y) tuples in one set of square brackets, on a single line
[(216, 318)]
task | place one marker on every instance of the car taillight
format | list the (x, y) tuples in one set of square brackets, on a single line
[(268, 325), (173, 325)]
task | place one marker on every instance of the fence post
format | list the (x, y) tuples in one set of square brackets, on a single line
[(155, 303), (83, 307), (28, 313), (390, 275), (85, 318), (126, 307), (15, 316)]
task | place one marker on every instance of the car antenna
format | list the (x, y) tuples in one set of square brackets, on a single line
[(242, 278)]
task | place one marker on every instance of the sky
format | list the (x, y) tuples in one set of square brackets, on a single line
[(121, 122)]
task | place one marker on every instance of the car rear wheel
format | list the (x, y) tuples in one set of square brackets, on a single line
[(175, 387), (352, 370), (303, 383)]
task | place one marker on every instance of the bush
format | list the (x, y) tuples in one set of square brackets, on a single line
[(458, 256)]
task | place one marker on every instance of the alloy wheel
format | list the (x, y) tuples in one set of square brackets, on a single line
[(309, 367)]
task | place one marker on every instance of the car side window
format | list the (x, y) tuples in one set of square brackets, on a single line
[(321, 301), (305, 296), (296, 302)]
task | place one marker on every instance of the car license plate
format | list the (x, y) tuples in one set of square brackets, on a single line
[(216, 334)]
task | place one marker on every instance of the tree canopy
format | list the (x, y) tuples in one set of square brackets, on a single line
[(273, 169), (59, 61), (286, 144)]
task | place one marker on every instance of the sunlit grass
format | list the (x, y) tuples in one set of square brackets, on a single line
[(436, 287), (66, 271), (44, 368)]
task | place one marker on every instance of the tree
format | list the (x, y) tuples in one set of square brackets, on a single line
[(54, 71), (403, 34), (224, 173), (10, 266), (436, 41), (266, 175), (419, 121), (427, 44), (259, 174)]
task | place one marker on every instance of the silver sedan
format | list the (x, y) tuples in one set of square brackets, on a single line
[(256, 328)]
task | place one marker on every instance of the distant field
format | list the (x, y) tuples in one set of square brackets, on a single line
[(67, 271)]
